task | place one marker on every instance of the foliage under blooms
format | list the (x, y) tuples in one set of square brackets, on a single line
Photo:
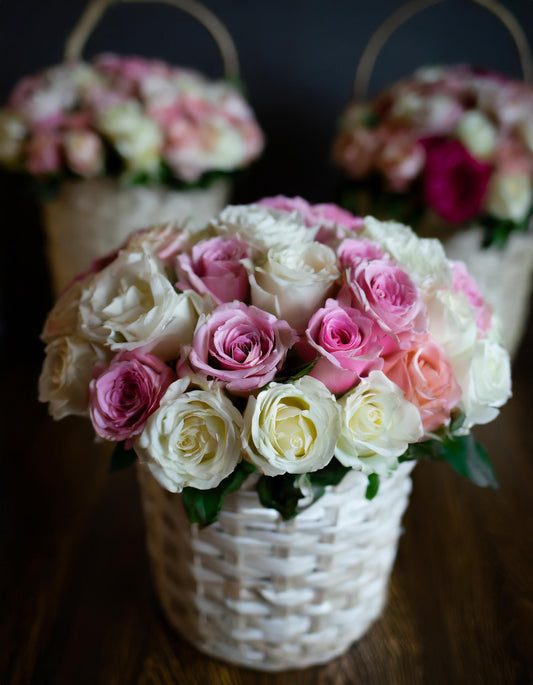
[(143, 120), (453, 139), (298, 342)]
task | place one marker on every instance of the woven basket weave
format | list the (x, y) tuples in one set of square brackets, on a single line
[(90, 218), (272, 595)]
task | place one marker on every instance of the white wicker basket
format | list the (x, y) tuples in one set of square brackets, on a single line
[(272, 595), (90, 218), (505, 277)]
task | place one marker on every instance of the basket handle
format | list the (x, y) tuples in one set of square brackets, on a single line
[(96, 8), (405, 12)]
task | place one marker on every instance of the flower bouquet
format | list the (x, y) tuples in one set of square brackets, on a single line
[(451, 148), (276, 375), (121, 143)]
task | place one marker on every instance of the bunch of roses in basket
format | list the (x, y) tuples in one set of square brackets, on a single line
[(459, 139), (291, 339), (141, 119)]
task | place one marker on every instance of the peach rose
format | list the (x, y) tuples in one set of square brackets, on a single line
[(425, 375)]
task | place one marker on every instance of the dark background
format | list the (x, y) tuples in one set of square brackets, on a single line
[(76, 604)]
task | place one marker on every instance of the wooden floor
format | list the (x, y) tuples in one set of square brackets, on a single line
[(77, 605)]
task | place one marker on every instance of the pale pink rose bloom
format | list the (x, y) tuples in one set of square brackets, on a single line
[(215, 267), (356, 151), (347, 342), (242, 346), (400, 160), (123, 394), (25, 89), (354, 250), (465, 283), (43, 154), (134, 69), (389, 295), (327, 216), (512, 157), (425, 375), (84, 152)]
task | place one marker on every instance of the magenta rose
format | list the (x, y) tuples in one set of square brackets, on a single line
[(464, 282), (215, 267), (454, 182), (386, 292), (242, 346), (352, 251), (348, 344), (123, 394)]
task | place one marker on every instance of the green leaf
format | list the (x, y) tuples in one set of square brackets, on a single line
[(457, 420), (464, 454), (370, 120), (280, 493), (468, 457), (121, 458), (332, 474), (373, 486), (429, 449), (203, 506), (284, 493)]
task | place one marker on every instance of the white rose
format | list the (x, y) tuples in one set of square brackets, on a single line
[(63, 319), (294, 281), (131, 303), (65, 376), (291, 427), (477, 134), (138, 139), (263, 228), (452, 323), (12, 134), (378, 424), (433, 114), (486, 384), (193, 439), (423, 259), (84, 152), (509, 196), (227, 149)]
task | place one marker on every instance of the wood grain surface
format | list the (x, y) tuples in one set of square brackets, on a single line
[(77, 605)]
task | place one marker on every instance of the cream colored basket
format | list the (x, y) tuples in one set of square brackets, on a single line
[(254, 590), (89, 218)]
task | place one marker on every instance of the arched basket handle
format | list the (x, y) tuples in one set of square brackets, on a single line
[(405, 12), (96, 8)]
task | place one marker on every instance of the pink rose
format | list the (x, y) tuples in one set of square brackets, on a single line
[(215, 267), (356, 152), (352, 251), (43, 154), (425, 375), (464, 282), (242, 346), (389, 295), (512, 157), (84, 152), (327, 216), (455, 183), (124, 394), (400, 160), (348, 342)]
